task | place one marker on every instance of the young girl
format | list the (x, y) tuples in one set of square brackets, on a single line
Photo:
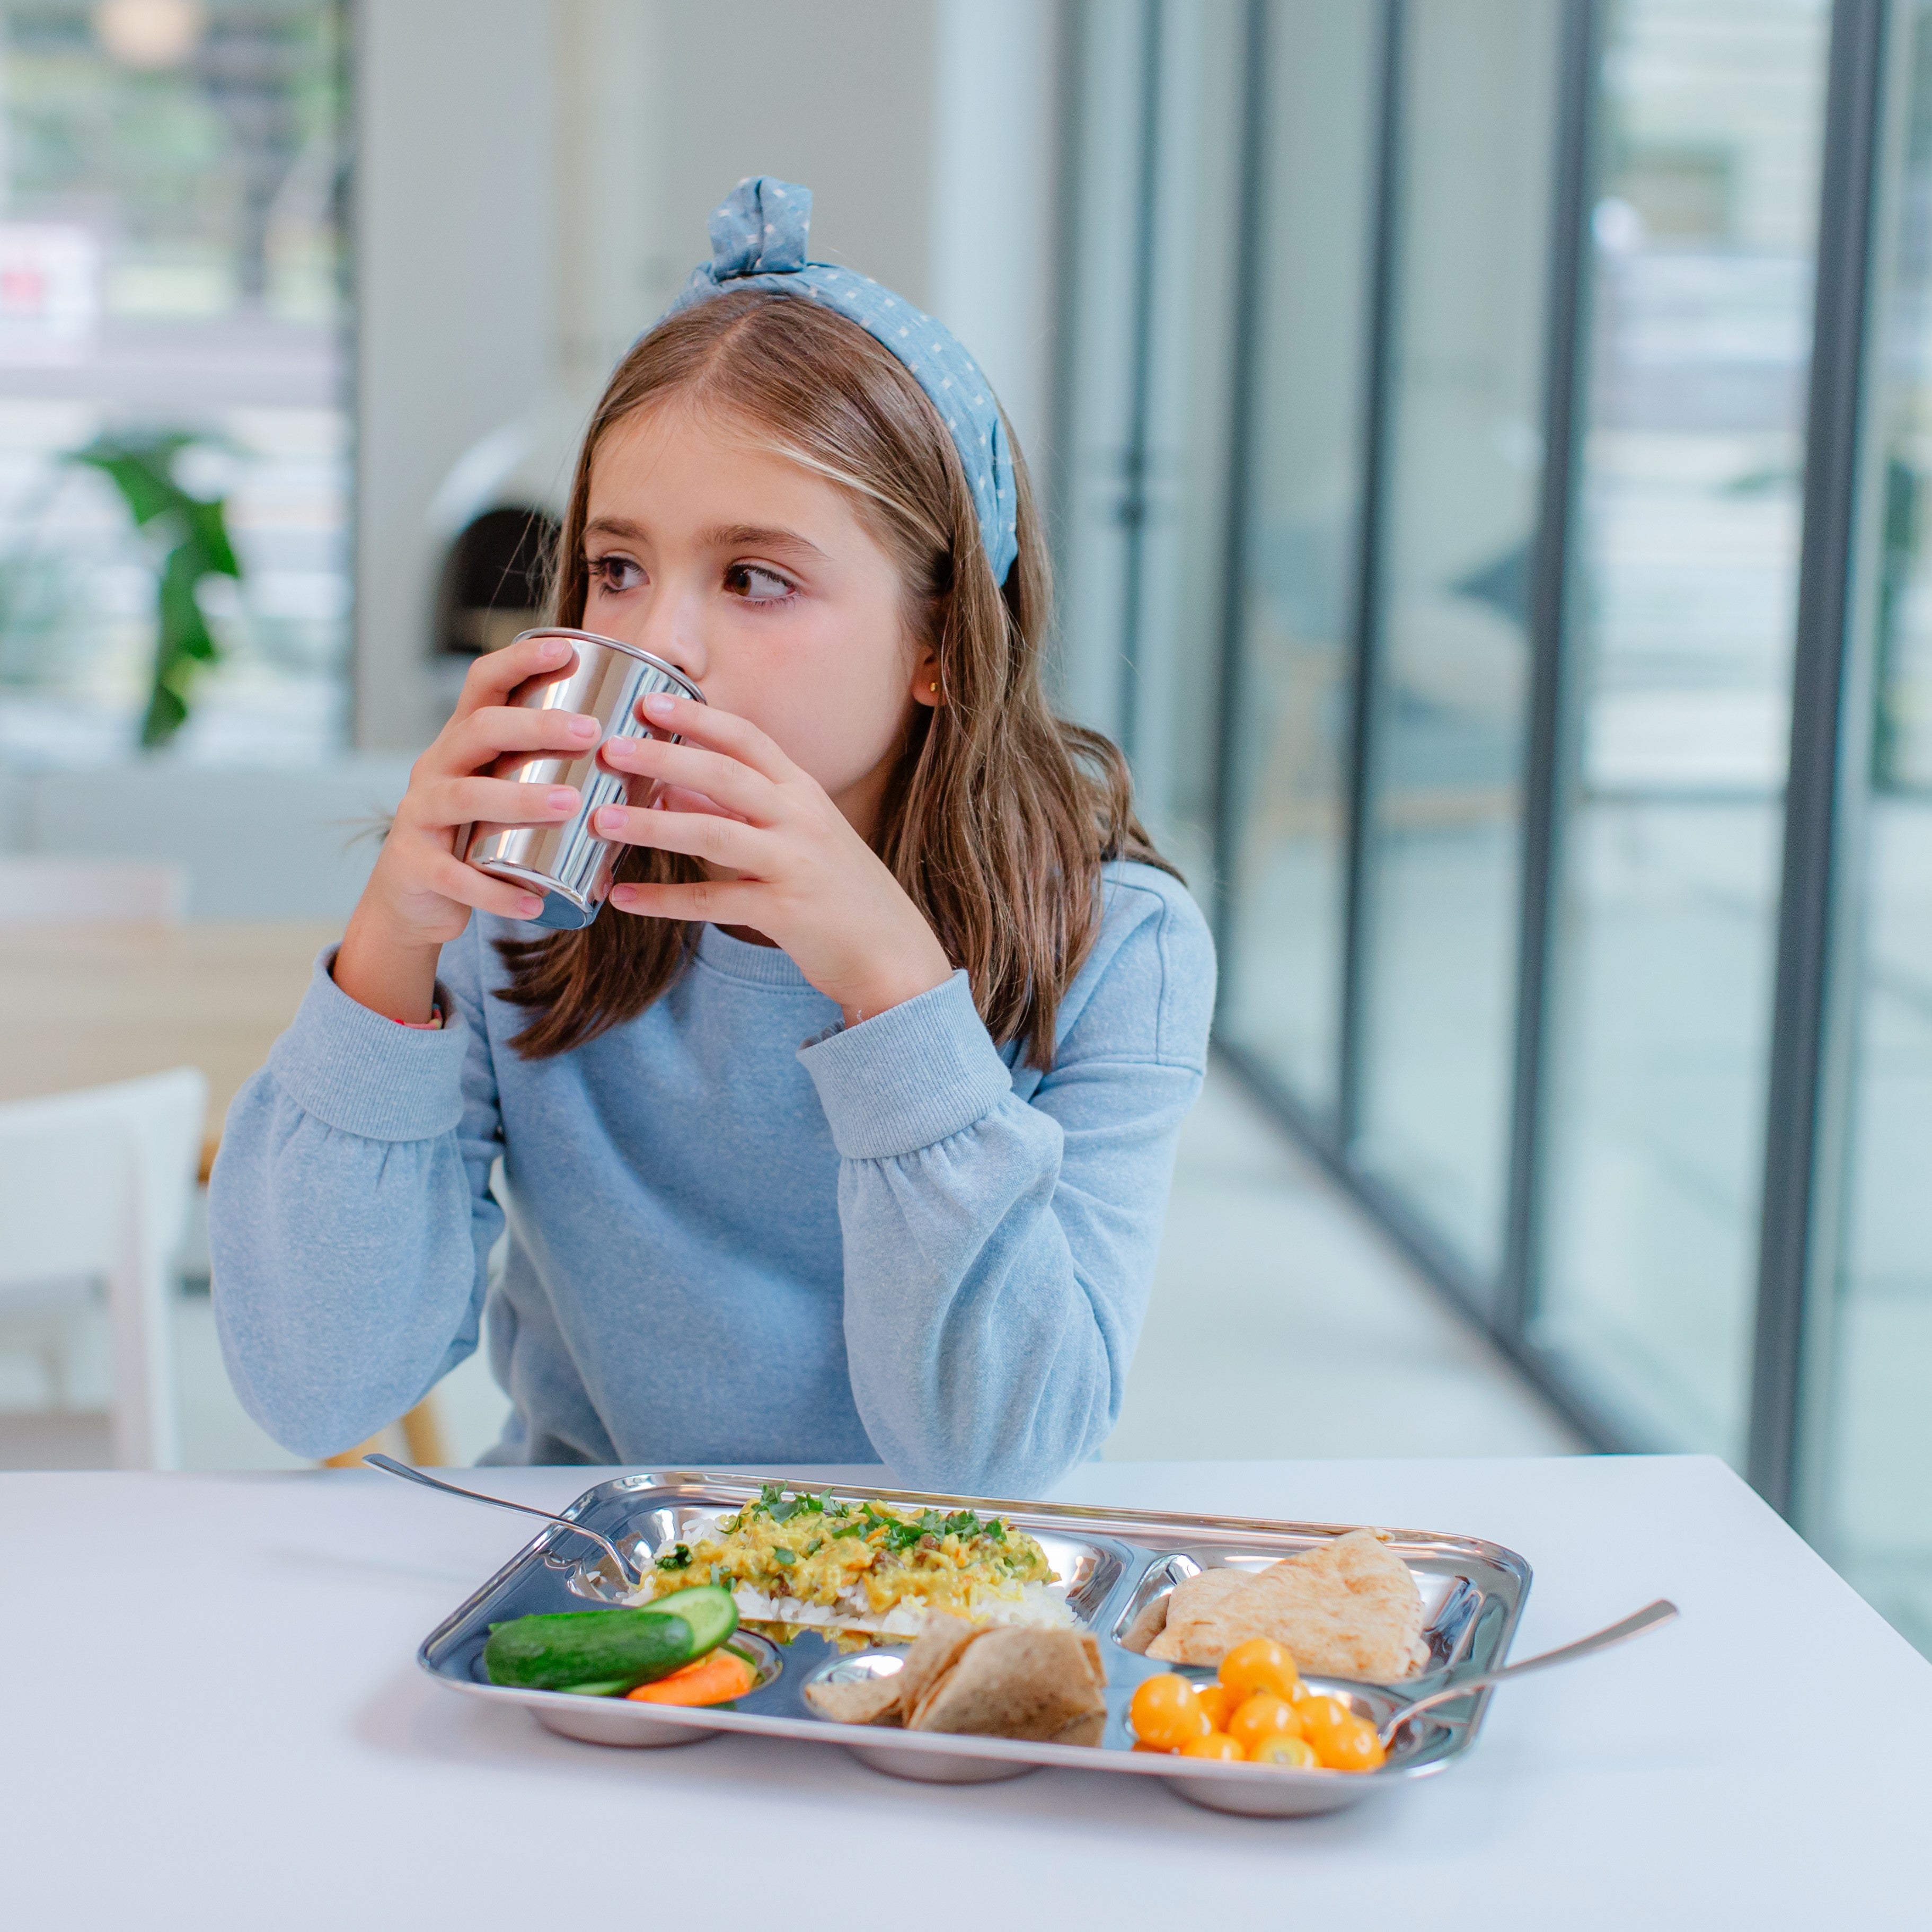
[(844, 1134)]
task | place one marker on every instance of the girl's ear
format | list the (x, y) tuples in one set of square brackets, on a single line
[(927, 687)]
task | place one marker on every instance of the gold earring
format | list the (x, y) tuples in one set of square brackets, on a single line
[(933, 688)]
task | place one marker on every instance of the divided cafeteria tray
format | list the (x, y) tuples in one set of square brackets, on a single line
[(1115, 1564)]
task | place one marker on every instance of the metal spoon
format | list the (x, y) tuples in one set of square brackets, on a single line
[(391, 1466), (1648, 1618)]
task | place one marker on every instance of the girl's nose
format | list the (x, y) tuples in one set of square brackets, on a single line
[(672, 630)]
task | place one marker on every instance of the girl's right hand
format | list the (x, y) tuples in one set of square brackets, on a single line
[(421, 894)]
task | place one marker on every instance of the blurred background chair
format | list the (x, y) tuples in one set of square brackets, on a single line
[(36, 890), (96, 1187)]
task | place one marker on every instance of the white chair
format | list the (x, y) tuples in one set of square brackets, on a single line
[(96, 1186), (38, 891)]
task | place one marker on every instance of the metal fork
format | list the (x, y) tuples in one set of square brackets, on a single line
[(390, 1466), (1648, 1618)]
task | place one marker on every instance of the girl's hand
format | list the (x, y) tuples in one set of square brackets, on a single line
[(789, 864), (420, 896)]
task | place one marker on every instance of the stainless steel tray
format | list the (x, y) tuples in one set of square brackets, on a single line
[(1115, 1564)]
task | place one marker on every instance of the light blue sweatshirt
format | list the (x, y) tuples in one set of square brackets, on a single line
[(739, 1233)]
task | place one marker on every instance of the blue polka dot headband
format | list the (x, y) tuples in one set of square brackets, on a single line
[(758, 241)]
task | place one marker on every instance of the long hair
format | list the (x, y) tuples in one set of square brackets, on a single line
[(997, 816)]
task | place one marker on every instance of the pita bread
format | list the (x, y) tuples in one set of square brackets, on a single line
[(856, 1700), (1346, 1609), (885, 1700), (1013, 1682), (934, 1651)]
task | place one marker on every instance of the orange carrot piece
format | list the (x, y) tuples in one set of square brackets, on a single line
[(715, 1679)]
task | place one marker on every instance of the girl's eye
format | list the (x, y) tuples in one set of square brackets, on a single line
[(615, 574), (757, 585)]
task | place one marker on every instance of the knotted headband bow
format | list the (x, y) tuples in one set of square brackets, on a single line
[(758, 234)]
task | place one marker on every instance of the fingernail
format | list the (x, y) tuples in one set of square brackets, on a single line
[(583, 728), (611, 819), (623, 896), (530, 905), (562, 799), (553, 648), (661, 704)]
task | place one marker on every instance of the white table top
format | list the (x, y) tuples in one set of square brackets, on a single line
[(220, 1723)]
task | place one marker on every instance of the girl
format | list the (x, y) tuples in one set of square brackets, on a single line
[(844, 1135)]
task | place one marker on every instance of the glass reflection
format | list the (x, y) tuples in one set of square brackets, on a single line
[(1281, 969), (1465, 465), (1686, 541)]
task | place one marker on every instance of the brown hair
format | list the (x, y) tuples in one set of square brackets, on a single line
[(998, 816)]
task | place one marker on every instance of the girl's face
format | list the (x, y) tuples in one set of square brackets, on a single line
[(756, 579)]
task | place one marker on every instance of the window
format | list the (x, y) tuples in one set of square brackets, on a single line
[(172, 263)]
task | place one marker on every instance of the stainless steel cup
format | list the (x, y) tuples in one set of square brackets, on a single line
[(564, 862)]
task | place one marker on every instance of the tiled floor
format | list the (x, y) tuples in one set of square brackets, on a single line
[(1281, 1325), (1284, 1325)]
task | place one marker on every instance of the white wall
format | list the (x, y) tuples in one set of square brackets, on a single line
[(836, 94), (456, 314), (995, 157)]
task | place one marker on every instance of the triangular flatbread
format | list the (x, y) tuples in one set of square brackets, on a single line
[(1345, 1609), (1012, 1682)]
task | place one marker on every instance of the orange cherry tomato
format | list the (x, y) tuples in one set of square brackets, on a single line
[(1341, 1741), (1260, 1664), (1319, 1714), (1162, 1750), (1263, 1715), (1215, 1745), (1286, 1753), (1350, 1745), (1219, 1701), (1165, 1712)]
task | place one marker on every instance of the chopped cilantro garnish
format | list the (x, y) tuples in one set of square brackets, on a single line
[(817, 1543), (850, 1529), (772, 1501), (783, 1554), (679, 1558)]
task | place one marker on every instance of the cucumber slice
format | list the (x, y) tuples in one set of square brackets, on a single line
[(709, 1610), (621, 1648)]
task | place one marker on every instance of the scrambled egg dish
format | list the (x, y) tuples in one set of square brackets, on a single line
[(791, 1560)]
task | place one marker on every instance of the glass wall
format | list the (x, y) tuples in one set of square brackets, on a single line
[(1464, 483), (171, 295), (1870, 1487), (1685, 553), (1524, 330), (1291, 712), (1143, 488)]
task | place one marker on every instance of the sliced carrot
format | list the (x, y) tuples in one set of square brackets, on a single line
[(715, 1679)]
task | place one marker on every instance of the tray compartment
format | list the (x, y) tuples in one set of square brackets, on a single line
[(1452, 1602)]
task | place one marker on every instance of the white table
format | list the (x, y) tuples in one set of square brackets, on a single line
[(216, 1721)]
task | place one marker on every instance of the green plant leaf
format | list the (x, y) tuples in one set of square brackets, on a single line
[(141, 468)]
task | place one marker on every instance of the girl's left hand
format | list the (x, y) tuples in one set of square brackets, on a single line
[(793, 867)]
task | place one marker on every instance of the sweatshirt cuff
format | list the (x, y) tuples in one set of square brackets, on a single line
[(360, 1073), (914, 1074)]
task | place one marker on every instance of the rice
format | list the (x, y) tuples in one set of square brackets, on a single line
[(993, 1596)]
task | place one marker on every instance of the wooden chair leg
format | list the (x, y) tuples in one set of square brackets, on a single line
[(352, 1459), (423, 1441), (422, 1430)]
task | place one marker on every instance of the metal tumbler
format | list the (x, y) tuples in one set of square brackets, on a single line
[(566, 862)]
